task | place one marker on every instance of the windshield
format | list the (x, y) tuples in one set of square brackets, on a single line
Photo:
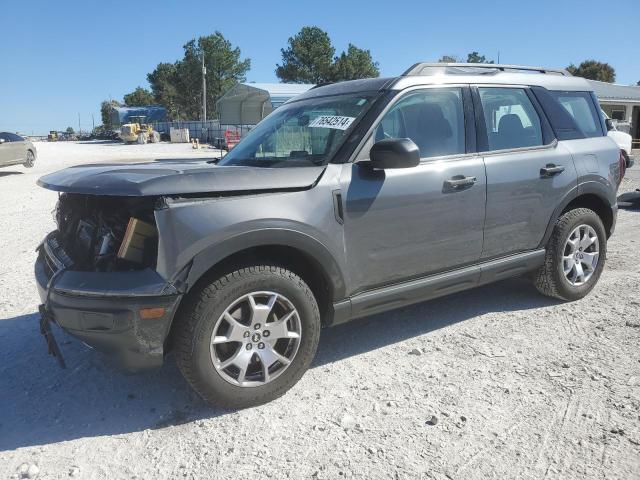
[(300, 134)]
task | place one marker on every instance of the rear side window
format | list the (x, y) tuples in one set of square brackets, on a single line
[(510, 118), (432, 118), (581, 108)]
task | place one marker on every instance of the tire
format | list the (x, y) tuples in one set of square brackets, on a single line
[(31, 159), (551, 279), (154, 137), (204, 310), (142, 138)]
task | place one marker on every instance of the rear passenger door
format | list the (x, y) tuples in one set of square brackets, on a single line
[(528, 172), (411, 222)]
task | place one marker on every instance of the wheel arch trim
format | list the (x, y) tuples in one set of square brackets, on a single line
[(588, 189), (216, 253)]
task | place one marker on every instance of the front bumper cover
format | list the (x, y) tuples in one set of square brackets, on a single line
[(102, 308)]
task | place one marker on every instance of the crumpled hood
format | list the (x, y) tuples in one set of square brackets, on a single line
[(175, 178)]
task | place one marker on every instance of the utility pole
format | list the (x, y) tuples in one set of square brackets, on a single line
[(79, 128), (93, 123), (204, 90)]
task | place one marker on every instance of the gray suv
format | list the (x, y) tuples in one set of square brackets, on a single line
[(349, 200)]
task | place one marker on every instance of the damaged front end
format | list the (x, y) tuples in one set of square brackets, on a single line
[(97, 277), (115, 270), (107, 234)]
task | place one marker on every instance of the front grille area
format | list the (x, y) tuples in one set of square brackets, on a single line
[(49, 267), (54, 256)]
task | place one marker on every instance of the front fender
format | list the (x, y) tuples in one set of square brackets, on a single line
[(199, 233)]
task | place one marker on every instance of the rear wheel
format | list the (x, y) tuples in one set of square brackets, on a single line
[(31, 159), (575, 256), (248, 336)]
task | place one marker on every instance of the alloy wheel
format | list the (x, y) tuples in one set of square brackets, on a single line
[(580, 255), (256, 338)]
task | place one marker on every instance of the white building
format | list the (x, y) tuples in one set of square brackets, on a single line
[(248, 103), (621, 103)]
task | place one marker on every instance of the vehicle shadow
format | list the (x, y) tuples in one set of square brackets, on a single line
[(6, 174), (629, 200), (41, 404)]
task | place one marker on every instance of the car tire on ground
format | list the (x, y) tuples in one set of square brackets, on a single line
[(31, 159), (248, 336), (575, 256)]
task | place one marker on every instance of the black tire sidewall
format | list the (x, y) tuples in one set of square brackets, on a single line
[(579, 217), (212, 384)]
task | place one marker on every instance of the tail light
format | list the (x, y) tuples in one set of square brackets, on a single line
[(623, 166)]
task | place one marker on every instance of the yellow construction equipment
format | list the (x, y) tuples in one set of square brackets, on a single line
[(53, 136), (136, 131)]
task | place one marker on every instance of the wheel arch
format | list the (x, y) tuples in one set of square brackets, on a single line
[(298, 252), (589, 198)]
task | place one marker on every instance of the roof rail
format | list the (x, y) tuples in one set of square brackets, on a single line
[(426, 68)]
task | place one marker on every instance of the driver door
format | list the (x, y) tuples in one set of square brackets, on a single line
[(406, 223)]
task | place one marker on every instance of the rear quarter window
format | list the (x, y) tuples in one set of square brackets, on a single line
[(580, 106)]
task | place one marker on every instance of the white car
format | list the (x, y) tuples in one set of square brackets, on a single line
[(621, 138), (16, 150)]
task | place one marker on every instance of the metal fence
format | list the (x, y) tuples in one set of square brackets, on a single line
[(206, 132)]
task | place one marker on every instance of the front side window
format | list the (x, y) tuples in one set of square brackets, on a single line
[(432, 118), (510, 118), (303, 133), (580, 106)]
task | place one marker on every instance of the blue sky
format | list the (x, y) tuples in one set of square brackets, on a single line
[(58, 59)]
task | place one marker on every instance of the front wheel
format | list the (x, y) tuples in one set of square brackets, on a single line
[(30, 160), (248, 336), (575, 256)]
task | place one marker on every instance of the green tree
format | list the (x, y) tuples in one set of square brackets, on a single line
[(70, 130), (353, 64), (593, 70), (164, 85), (178, 86), (105, 112), (140, 97), (475, 57), (308, 58)]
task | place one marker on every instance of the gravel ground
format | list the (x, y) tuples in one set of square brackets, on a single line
[(497, 382)]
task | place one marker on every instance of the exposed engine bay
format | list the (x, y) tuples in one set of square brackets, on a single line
[(105, 234)]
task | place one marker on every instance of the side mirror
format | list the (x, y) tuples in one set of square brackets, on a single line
[(394, 153), (610, 125)]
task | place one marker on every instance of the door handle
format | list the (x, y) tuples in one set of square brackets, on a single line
[(550, 170), (459, 181)]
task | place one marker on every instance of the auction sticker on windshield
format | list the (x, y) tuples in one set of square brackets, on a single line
[(332, 121)]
